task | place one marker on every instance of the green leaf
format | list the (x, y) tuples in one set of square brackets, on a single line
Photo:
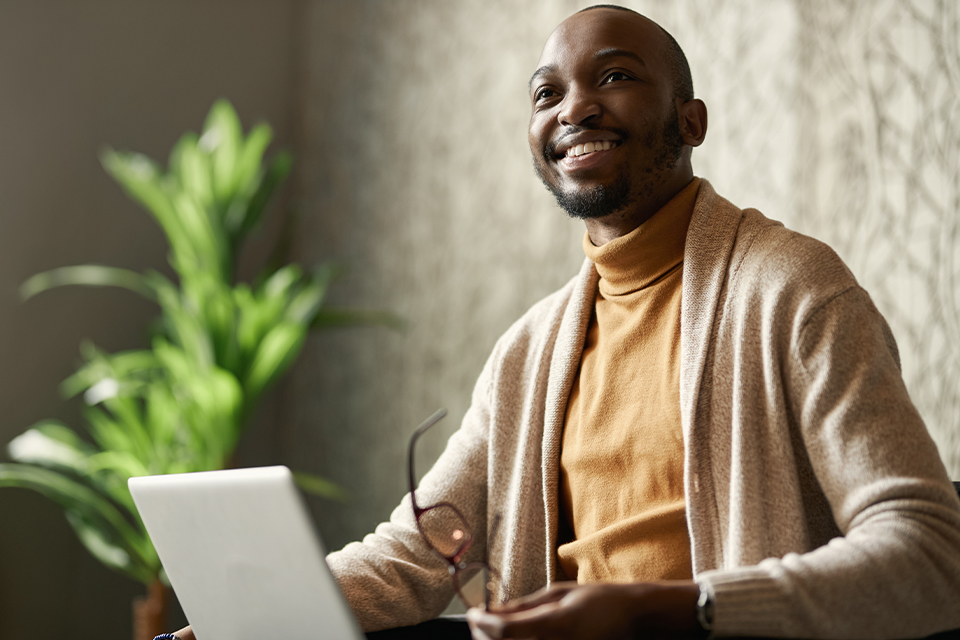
[(90, 275), (222, 138), (142, 180), (304, 306), (120, 463), (273, 177), (51, 444), (276, 353), (328, 318), (111, 435), (106, 551), (216, 405), (163, 418), (89, 505), (126, 369), (184, 327), (251, 158), (206, 250), (247, 174), (192, 168), (280, 283), (320, 486)]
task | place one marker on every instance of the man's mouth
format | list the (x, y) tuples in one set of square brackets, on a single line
[(590, 147)]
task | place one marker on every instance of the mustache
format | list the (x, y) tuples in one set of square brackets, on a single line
[(550, 150)]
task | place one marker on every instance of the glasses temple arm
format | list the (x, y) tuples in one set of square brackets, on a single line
[(426, 424)]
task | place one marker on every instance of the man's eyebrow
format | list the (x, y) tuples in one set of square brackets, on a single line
[(612, 52), (542, 71)]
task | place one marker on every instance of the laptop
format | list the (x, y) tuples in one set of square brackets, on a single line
[(242, 555)]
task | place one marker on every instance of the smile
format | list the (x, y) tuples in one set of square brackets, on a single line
[(590, 147)]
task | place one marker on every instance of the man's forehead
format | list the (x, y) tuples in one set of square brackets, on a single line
[(587, 33)]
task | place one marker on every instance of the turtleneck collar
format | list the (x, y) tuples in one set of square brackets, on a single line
[(636, 260)]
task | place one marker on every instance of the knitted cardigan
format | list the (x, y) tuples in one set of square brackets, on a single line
[(817, 503)]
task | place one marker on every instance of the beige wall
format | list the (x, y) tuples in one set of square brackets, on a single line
[(75, 76)]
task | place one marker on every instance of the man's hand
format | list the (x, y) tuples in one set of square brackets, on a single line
[(185, 634), (595, 612)]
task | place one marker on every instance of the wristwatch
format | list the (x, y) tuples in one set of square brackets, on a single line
[(705, 609)]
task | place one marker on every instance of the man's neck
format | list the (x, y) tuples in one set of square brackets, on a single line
[(620, 223)]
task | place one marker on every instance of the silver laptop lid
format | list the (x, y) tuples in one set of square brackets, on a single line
[(242, 556)]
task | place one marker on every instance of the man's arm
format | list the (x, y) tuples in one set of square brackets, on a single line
[(895, 572), (392, 578)]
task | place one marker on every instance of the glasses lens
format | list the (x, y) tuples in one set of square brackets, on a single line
[(445, 530), (473, 592)]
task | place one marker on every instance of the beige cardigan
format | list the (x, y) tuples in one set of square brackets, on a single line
[(817, 504)]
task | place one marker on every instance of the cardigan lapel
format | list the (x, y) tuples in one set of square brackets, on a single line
[(710, 241), (563, 368)]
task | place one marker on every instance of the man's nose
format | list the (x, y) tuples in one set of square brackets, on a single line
[(579, 107)]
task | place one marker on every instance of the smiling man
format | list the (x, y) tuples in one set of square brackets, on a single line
[(706, 430)]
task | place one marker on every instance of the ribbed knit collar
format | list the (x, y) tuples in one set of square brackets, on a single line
[(634, 261)]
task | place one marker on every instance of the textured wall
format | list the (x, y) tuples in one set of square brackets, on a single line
[(879, 176), (836, 117)]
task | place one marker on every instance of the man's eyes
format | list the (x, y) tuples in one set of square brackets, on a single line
[(615, 76), (543, 94)]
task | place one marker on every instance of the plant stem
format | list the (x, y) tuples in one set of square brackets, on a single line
[(150, 611)]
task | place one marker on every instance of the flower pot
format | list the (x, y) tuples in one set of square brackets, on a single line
[(150, 611)]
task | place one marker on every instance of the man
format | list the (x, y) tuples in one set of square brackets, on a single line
[(706, 429)]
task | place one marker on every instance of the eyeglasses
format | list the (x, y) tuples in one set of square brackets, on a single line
[(445, 529)]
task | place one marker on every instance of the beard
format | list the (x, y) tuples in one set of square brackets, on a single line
[(666, 144)]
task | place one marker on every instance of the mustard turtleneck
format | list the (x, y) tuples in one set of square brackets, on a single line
[(621, 465)]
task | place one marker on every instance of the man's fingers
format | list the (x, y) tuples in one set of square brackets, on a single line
[(185, 634), (529, 623), (543, 596)]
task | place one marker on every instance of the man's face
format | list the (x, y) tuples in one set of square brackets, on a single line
[(604, 128)]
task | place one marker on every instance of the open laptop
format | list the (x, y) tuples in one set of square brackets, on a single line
[(242, 555)]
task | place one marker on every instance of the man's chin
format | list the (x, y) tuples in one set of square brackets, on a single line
[(592, 203)]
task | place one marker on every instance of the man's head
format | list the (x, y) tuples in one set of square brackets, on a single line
[(613, 115)]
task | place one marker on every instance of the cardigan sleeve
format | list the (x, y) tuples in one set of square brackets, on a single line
[(895, 572), (391, 578)]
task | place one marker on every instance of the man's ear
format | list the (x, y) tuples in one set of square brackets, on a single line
[(692, 116)]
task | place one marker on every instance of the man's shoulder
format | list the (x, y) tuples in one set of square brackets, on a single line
[(756, 244), (782, 254), (770, 264), (788, 264)]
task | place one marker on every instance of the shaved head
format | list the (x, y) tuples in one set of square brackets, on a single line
[(613, 120), (677, 60)]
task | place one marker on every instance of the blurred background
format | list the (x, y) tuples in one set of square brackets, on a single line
[(407, 119)]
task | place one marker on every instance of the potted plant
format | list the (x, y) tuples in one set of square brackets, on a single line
[(219, 344)]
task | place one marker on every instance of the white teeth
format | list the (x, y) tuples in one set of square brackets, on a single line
[(589, 147)]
